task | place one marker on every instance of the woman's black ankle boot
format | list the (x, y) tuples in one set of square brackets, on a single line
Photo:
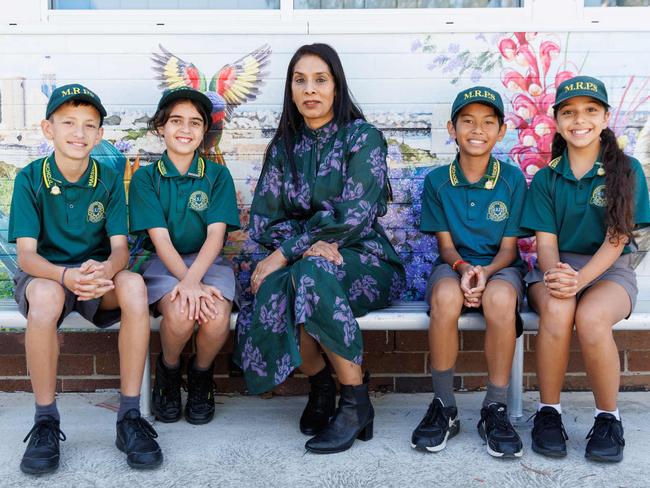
[(353, 420), (321, 404)]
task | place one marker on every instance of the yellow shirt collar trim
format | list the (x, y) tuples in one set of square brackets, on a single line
[(50, 181), (489, 180)]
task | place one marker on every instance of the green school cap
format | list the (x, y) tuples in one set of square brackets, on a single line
[(580, 86), (186, 93), (71, 92), (477, 94)]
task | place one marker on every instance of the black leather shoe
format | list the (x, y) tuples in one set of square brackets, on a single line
[(136, 437), (42, 453), (166, 393), (199, 408), (353, 420), (606, 441), (498, 433), (321, 405), (548, 434), (438, 425)]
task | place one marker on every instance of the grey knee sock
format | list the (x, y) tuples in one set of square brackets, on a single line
[(127, 403), (495, 394), (43, 410), (443, 386)]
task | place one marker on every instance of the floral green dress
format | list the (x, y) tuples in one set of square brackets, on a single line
[(342, 188)]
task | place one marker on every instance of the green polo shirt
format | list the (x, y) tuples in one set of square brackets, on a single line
[(159, 196), (477, 215), (574, 210), (72, 222)]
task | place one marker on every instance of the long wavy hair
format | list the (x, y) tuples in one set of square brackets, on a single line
[(291, 121), (619, 183)]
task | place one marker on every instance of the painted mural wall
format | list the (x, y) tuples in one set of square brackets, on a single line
[(404, 84)]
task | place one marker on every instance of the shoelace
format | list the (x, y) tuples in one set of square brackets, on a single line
[(604, 428), (437, 414), (500, 418), (142, 428), (549, 420), (202, 389), (41, 430)]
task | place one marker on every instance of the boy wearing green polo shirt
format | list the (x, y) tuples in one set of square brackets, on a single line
[(68, 220), (472, 205), (583, 207), (184, 205)]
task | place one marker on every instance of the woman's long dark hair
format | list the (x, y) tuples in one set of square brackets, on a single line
[(619, 184), (291, 121)]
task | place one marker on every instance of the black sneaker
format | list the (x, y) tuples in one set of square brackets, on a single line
[(166, 393), (606, 441), (200, 394), (439, 424), (498, 433), (42, 453), (548, 434), (136, 437)]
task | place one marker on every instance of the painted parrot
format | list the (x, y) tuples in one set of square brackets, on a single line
[(234, 84)]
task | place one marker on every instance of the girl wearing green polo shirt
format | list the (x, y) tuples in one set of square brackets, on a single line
[(583, 208), (185, 205), (473, 206)]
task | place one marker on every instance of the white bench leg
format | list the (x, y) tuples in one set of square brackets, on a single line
[(145, 389), (515, 392)]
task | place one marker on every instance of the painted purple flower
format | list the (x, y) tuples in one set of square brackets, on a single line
[(123, 146), (44, 148), (415, 45), (343, 313), (454, 47), (366, 286), (306, 299), (395, 153), (273, 314), (252, 358), (396, 286), (475, 76), (283, 369)]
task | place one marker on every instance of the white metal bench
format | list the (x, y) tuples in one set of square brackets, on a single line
[(400, 316)]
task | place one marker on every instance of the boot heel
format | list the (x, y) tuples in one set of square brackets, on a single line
[(366, 433)]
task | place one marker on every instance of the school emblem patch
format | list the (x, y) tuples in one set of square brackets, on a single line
[(95, 212), (198, 201), (497, 211), (598, 196)]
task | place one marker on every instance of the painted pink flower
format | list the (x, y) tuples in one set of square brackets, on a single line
[(508, 47)]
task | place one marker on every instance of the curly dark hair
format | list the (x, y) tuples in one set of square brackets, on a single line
[(619, 184)]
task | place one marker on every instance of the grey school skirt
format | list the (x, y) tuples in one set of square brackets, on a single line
[(160, 281), (620, 272), (511, 274)]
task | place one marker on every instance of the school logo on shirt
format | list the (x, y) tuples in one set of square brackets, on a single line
[(497, 211), (95, 212), (598, 196), (198, 201)]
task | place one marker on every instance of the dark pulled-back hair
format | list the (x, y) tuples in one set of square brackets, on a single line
[(291, 121), (162, 115), (619, 183)]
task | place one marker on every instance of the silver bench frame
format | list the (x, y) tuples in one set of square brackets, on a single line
[(400, 316)]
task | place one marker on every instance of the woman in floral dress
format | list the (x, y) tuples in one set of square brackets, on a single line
[(322, 187)]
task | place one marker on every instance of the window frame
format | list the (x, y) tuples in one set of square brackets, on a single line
[(534, 15)]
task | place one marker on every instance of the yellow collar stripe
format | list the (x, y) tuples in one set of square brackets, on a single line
[(496, 172), (49, 180), (553, 164), (162, 168), (453, 176)]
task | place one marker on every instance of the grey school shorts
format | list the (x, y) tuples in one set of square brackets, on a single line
[(620, 272), (511, 274), (160, 281), (87, 309)]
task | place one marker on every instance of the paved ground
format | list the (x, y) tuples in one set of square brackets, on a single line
[(254, 442)]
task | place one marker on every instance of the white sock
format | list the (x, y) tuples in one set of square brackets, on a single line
[(611, 412), (556, 406)]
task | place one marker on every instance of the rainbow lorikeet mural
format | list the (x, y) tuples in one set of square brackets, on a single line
[(234, 84)]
